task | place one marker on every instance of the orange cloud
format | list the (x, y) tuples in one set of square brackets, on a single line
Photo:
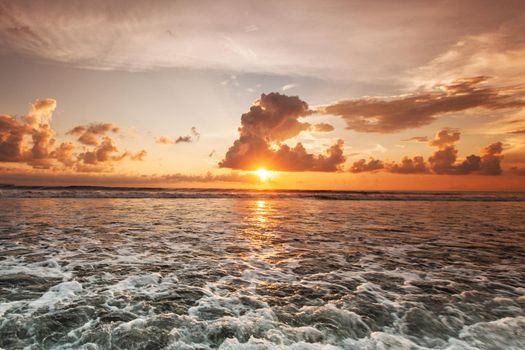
[(322, 127), (14, 134), (272, 119), (31, 140)]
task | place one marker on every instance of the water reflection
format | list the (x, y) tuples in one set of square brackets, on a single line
[(262, 232)]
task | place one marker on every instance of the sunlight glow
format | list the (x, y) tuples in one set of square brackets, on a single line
[(263, 174)]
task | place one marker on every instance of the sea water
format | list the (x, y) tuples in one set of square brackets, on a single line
[(88, 268)]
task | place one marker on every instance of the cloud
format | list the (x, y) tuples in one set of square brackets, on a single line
[(288, 87), (414, 165), (272, 119), (65, 154), (208, 35), (89, 134), (111, 179), (491, 159), (139, 155), (195, 133), (362, 165), (416, 139), (382, 115), (517, 171), (498, 52), (443, 161), (445, 138), (103, 156), (194, 137), (163, 140), (14, 134), (322, 127), (31, 140), (184, 139), (209, 177)]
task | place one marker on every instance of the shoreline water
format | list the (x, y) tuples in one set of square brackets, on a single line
[(260, 273)]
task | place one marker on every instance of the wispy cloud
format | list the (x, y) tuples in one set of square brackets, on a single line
[(288, 87), (393, 114), (211, 35)]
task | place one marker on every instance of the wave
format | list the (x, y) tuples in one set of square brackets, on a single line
[(12, 191)]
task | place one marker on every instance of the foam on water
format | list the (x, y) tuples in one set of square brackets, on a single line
[(261, 274)]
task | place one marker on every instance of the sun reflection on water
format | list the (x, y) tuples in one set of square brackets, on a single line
[(261, 233)]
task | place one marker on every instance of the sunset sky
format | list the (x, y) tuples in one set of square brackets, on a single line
[(357, 95)]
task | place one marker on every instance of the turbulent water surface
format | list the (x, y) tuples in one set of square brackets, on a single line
[(261, 271)]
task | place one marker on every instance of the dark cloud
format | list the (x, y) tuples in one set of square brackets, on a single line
[(443, 161), (521, 131), (184, 139), (272, 119), (415, 165), (362, 165), (383, 115), (31, 140), (491, 159)]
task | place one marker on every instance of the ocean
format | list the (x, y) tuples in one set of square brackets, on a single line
[(107, 268)]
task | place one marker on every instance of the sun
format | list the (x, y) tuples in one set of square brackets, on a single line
[(263, 174)]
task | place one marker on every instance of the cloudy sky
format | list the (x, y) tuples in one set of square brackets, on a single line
[(325, 94)]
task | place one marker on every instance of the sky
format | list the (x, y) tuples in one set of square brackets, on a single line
[(337, 95)]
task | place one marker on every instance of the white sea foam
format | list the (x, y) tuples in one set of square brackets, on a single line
[(230, 274), (60, 293)]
